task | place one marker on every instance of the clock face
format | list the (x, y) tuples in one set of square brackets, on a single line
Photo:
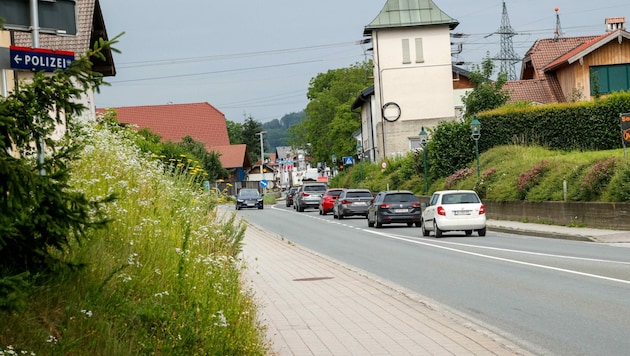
[(391, 111)]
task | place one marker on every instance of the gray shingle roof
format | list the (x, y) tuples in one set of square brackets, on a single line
[(408, 13)]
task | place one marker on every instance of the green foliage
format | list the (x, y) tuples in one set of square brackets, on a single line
[(235, 132), (450, 149), (250, 137), (619, 186), (41, 215), (486, 94), (330, 123), (584, 126), (277, 130), (164, 277)]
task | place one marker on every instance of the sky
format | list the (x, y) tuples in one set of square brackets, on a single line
[(256, 58)]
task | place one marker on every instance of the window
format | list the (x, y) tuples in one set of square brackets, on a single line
[(419, 51), (610, 78), (405, 51)]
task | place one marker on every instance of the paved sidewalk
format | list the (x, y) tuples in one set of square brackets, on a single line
[(561, 232), (313, 305)]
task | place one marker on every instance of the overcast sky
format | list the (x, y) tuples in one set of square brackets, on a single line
[(253, 57)]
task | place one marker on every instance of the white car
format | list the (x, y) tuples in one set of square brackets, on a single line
[(454, 210)]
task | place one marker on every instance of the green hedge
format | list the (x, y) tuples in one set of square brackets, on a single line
[(584, 126)]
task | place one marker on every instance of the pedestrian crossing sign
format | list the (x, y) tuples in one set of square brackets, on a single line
[(348, 161)]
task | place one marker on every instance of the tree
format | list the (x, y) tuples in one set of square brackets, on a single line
[(210, 161), (329, 122), (486, 94), (40, 214), (235, 132), (249, 135)]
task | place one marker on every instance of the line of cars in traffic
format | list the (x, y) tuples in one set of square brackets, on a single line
[(447, 210)]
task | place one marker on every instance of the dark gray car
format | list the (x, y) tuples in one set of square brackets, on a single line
[(399, 206), (309, 195), (352, 202)]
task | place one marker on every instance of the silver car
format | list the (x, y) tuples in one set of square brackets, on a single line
[(309, 195), (352, 202)]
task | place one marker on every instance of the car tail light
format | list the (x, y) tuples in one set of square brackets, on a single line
[(343, 201), (482, 210), (415, 205), (385, 206), (441, 211), (304, 194)]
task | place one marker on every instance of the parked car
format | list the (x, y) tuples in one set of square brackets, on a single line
[(394, 206), (328, 200), (309, 195), (290, 195), (352, 202), (249, 198), (454, 210)]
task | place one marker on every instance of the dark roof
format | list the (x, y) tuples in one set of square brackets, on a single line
[(363, 98)]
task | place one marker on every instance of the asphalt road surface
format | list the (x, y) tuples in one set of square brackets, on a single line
[(553, 297)]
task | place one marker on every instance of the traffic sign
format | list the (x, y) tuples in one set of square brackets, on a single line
[(264, 183), (348, 161), (39, 59)]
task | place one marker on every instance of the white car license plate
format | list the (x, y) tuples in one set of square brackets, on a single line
[(360, 203), (461, 212), (400, 210)]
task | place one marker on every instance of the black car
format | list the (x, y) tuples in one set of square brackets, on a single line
[(249, 198), (395, 206), (290, 195)]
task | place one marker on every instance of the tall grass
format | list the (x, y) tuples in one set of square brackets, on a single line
[(163, 278)]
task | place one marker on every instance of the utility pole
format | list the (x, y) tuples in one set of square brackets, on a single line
[(262, 157), (506, 56)]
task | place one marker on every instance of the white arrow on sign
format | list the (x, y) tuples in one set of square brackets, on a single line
[(17, 58)]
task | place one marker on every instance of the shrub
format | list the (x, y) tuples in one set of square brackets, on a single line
[(597, 178), (529, 179), (459, 175)]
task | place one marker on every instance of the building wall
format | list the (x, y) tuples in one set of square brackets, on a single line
[(423, 89), (577, 75)]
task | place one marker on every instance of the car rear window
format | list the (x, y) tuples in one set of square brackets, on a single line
[(334, 193), (358, 195), (315, 188), (460, 198), (400, 198)]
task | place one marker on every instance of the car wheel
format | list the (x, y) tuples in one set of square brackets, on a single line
[(468, 232), (438, 232), (425, 232), (482, 232), (418, 224), (340, 215), (370, 223), (261, 207), (378, 222), (409, 224)]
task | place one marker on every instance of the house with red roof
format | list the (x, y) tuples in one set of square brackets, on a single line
[(201, 121), (575, 68)]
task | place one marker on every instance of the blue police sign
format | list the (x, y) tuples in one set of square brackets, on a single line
[(37, 59), (264, 183)]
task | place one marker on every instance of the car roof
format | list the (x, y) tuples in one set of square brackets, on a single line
[(397, 192), (455, 191)]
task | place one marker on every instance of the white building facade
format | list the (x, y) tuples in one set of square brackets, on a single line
[(413, 77)]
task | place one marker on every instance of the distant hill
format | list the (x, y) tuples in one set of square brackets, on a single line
[(277, 130)]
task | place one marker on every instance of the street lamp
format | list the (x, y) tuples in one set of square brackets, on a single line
[(262, 156), (423, 143), (475, 128)]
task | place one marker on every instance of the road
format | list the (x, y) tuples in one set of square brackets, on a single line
[(553, 297)]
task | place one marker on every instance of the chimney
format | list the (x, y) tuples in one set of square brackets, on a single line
[(615, 23)]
